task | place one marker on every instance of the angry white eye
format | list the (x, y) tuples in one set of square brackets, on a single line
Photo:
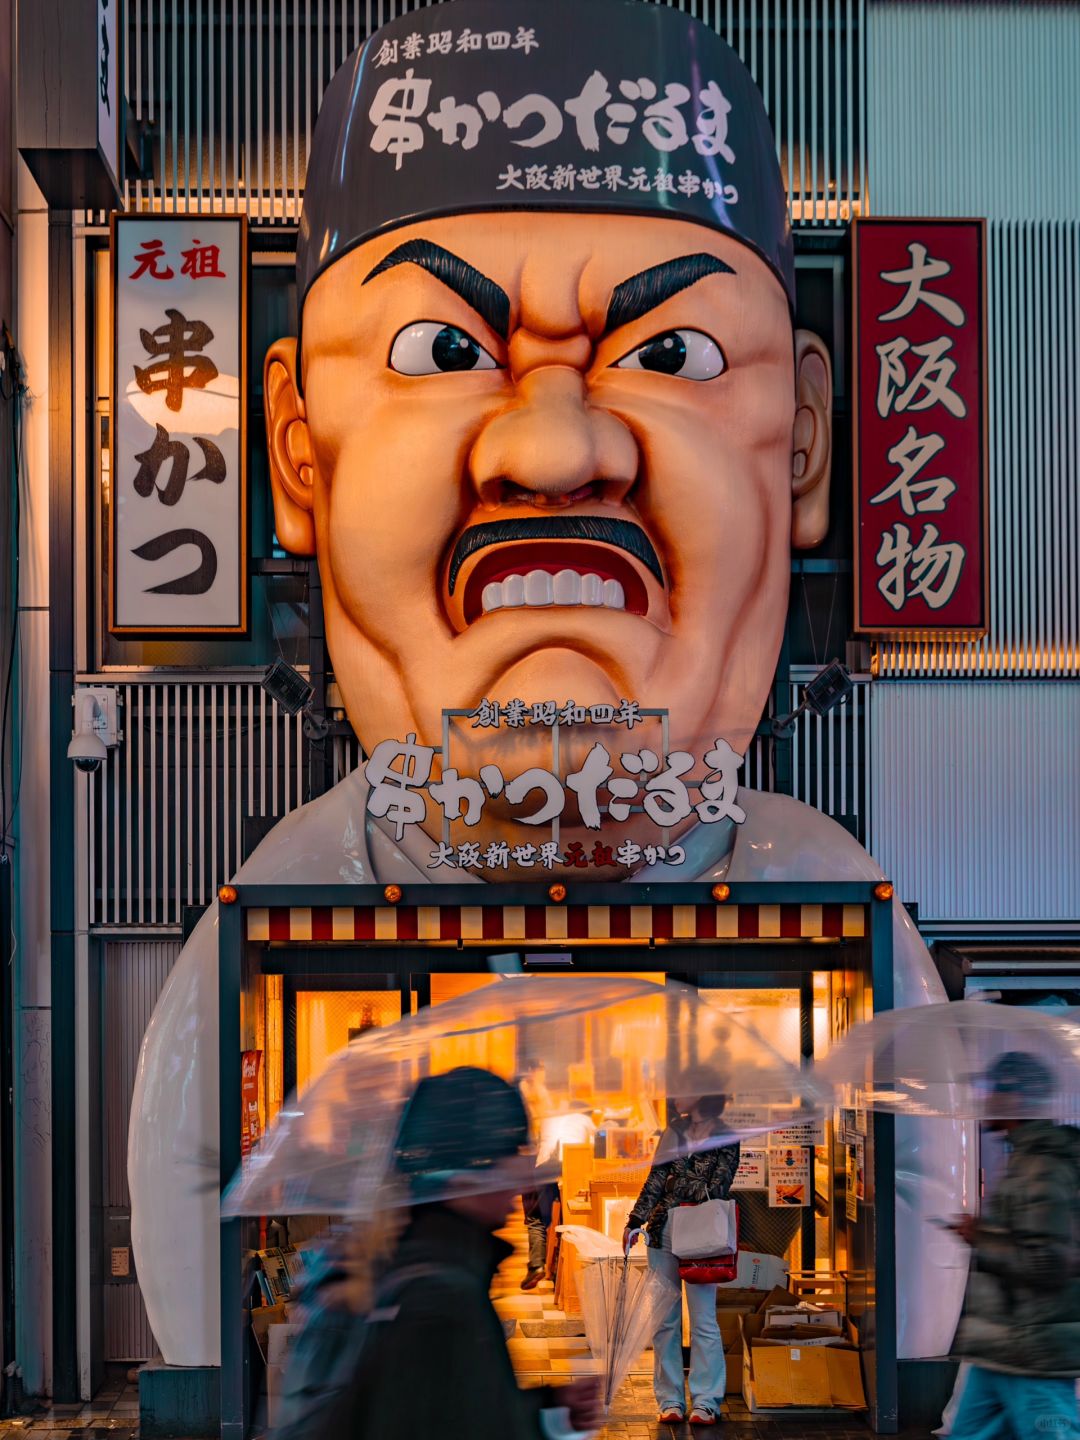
[(689, 354), (428, 347)]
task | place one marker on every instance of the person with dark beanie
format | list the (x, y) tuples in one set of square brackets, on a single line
[(433, 1358)]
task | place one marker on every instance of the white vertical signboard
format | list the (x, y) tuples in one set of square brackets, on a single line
[(109, 98), (179, 503)]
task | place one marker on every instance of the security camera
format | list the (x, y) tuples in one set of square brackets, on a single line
[(88, 751), (95, 728)]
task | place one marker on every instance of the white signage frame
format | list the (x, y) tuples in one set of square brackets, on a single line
[(137, 609)]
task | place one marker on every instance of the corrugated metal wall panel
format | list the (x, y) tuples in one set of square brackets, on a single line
[(830, 757), (232, 91), (974, 109), (128, 1337), (134, 972), (977, 798)]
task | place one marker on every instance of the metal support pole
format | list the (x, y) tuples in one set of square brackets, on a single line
[(885, 1409), (234, 1330), (8, 1041), (808, 1242), (65, 1387)]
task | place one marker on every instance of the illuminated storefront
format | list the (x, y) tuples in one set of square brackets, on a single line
[(301, 967)]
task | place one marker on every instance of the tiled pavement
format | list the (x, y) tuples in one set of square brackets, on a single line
[(114, 1413), (634, 1412), (114, 1416)]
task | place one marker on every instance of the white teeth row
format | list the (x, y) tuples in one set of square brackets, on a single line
[(539, 587)]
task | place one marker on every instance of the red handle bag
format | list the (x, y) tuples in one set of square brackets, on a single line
[(717, 1269)]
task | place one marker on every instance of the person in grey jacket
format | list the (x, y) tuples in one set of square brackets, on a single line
[(689, 1170), (1020, 1328)]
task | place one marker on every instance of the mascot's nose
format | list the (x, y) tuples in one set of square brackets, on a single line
[(550, 442)]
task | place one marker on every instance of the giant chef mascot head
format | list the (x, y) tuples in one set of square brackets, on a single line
[(551, 434), (548, 427)]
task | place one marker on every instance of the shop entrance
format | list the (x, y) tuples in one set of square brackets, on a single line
[(307, 991)]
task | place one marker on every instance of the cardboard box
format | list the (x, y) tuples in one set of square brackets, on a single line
[(262, 1319), (728, 1317), (790, 1320), (776, 1297), (275, 1379), (279, 1341), (733, 1359), (733, 1303), (758, 1272), (811, 1376)]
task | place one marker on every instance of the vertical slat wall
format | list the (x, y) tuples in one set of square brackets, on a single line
[(134, 973), (974, 109), (831, 757), (167, 807), (993, 834), (232, 87)]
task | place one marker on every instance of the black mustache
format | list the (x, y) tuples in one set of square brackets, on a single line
[(620, 533)]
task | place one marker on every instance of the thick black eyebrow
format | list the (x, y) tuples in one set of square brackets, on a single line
[(643, 292), (488, 299)]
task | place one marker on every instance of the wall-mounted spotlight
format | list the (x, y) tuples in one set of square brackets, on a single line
[(288, 687), (820, 695)]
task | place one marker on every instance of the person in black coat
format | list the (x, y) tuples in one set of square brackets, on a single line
[(434, 1359)]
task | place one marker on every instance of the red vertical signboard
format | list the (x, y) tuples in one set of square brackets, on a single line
[(920, 427), (250, 1119)]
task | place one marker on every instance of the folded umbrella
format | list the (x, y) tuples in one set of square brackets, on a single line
[(622, 1302)]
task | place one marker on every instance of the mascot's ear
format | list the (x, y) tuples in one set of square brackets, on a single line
[(288, 442), (811, 458)]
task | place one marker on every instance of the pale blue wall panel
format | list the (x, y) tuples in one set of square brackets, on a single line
[(974, 109), (976, 811)]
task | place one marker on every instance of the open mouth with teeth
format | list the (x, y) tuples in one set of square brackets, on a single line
[(535, 574), (598, 562)]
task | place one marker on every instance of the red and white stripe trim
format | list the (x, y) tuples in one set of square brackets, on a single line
[(410, 924)]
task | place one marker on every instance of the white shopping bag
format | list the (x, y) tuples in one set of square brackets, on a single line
[(700, 1232)]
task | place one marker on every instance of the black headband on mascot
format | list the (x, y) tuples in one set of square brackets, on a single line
[(605, 106)]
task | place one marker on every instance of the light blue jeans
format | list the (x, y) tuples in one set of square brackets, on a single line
[(1016, 1407), (708, 1368)]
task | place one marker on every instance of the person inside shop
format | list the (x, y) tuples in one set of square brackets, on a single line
[(688, 1170), (1020, 1329), (417, 1348), (537, 1204)]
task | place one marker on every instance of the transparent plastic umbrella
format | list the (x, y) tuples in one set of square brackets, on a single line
[(968, 1059), (612, 1050), (622, 1302)]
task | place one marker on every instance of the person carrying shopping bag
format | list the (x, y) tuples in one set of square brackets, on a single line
[(689, 1170)]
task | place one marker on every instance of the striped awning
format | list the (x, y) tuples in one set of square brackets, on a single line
[(478, 924)]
